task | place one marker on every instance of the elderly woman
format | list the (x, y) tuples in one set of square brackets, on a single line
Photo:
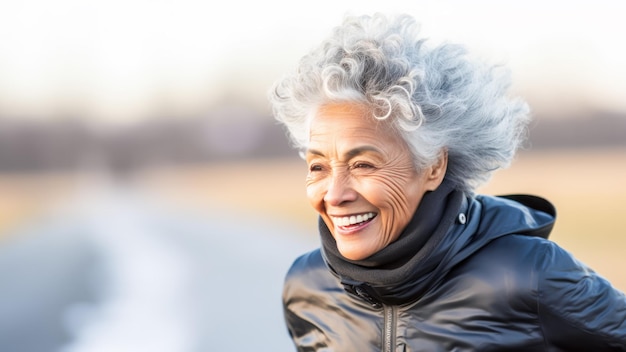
[(397, 134)]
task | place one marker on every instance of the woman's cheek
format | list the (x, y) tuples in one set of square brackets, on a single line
[(381, 189), (315, 194), (389, 196)]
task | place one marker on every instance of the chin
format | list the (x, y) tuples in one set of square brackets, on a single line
[(354, 254)]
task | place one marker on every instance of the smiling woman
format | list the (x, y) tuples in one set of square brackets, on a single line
[(398, 132), (362, 180)]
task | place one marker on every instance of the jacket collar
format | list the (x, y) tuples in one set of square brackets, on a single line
[(447, 228)]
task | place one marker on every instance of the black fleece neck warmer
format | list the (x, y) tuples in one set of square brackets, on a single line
[(401, 267)]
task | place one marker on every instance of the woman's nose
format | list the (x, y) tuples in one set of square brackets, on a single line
[(340, 190)]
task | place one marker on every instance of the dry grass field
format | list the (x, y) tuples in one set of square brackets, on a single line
[(26, 196), (588, 188)]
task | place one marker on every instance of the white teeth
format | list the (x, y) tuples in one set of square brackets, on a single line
[(351, 220)]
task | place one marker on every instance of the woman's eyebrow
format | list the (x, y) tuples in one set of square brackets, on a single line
[(314, 152), (354, 152), (361, 150)]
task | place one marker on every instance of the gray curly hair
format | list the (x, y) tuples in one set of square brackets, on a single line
[(437, 97)]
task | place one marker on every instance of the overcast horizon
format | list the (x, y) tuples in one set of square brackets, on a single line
[(123, 61)]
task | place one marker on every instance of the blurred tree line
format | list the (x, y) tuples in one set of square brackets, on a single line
[(31, 145)]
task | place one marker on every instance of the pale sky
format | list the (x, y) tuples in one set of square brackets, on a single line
[(121, 60)]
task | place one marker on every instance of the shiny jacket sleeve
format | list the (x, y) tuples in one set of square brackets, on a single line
[(299, 298), (578, 309), (320, 316)]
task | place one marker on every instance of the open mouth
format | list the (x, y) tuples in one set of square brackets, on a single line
[(353, 221)]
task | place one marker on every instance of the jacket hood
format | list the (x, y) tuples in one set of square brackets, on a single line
[(464, 226)]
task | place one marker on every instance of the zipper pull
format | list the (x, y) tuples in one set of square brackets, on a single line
[(361, 291)]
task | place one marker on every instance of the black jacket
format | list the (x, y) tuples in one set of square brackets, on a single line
[(504, 288)]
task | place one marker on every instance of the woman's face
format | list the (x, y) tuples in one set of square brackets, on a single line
[(362, 180)]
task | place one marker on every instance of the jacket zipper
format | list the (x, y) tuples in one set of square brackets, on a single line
[(389, 333)]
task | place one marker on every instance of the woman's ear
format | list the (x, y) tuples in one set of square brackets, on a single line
[(436, 172)]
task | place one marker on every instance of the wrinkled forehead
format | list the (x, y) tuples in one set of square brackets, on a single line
[(348, 126), (350, 114)]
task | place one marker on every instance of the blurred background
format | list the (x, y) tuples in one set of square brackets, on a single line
[(149, 202)]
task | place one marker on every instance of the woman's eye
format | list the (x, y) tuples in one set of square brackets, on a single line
[(361, 165), (315, 167)]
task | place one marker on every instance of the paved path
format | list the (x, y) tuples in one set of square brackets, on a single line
[(116, 271)]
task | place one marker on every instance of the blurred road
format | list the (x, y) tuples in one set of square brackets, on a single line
[(117, 271)]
